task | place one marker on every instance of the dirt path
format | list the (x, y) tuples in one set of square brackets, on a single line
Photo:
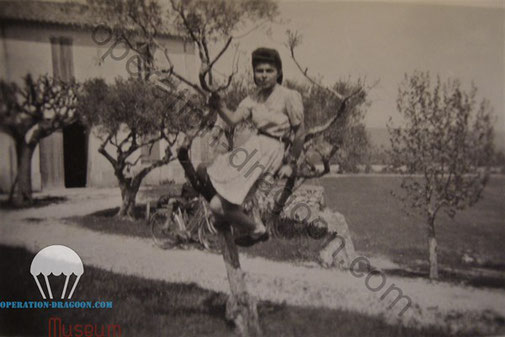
[(455, 307)]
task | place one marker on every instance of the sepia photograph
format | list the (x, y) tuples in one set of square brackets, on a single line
[(252, 168)]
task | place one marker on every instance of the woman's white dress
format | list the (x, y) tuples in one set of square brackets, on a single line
[(235, 174)]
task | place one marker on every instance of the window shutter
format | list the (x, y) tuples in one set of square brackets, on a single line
[(56, 56), (62, 58), (67, 64), (150, 154)]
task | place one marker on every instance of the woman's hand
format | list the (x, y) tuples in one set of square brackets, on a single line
[(286, 171), (217, 104)]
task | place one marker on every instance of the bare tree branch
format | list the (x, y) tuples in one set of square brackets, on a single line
[(104, 152), (218, 56), (238, 37), (171, 71), (294, 39)]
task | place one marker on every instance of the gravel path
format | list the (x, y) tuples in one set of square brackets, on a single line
[(456, 308)]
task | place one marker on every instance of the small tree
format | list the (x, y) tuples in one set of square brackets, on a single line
[(130, 116), (30, 113), (448, 139)]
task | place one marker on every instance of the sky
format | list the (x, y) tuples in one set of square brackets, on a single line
[(383, 41)]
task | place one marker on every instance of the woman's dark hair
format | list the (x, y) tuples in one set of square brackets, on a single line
[(267, 55)]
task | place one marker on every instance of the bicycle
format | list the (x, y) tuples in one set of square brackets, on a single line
[(185, 219)]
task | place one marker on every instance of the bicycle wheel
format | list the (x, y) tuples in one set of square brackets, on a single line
[(164, 229), (208, 236), (206, 233)]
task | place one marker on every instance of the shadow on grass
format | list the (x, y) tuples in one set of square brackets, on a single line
[(37, 202), (145, 307), (106, 221), (292, 249), (454, 276), (495, 266), (292, 243)]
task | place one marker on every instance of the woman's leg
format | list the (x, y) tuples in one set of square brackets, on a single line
[(224, 210)]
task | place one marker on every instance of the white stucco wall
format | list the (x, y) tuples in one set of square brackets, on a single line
[(26, 48)]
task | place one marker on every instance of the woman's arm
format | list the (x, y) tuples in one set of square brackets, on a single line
[(230, 117), (291, 166)]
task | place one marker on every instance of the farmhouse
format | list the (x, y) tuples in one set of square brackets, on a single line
[(65, 40)]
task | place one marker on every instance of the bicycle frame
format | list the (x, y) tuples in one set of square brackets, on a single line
[(191, 223)]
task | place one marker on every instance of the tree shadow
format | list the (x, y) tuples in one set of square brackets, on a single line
[(139, 212), (456, 276), (37, 202), (106, 221)]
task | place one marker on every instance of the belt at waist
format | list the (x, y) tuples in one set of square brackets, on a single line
[(283, 139)]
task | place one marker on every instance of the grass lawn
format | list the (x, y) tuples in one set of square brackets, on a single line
[(155, 308), (379, 227)]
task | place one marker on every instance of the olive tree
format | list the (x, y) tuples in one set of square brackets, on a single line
[(29, 113), (446, 146), (130, 116)]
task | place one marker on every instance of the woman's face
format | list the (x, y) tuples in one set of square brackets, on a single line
[(265, 75)]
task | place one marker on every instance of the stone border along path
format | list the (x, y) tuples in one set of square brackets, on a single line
[(457, 308)]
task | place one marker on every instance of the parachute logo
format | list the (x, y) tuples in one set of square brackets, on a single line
[(57, 260)]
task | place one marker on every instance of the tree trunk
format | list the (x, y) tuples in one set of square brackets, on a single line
[(23, 191), (241, 308), (432, 248), (128, 195), (281, 202)]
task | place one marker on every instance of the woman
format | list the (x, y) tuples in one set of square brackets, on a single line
[(275, 111)]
